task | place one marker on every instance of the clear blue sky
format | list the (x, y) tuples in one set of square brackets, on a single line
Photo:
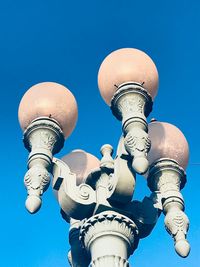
[(65, 41)]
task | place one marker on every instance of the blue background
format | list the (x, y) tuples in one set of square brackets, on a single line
[(66, 41)]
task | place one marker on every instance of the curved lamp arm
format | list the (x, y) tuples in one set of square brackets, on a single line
[(76, 201)]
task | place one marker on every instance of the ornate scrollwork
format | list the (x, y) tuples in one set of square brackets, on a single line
[(77, 202), (177, 225), (131, 105), (37, 180), (84, 191), (137, 139), (131, 99), (44, 140), (102, 223), (169, 182), (176, 221), (137, 144), (111, 260), (44, 133)]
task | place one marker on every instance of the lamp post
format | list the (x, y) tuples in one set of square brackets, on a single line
[(96, 196)]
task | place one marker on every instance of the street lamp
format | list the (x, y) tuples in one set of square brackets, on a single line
[(96, 196)]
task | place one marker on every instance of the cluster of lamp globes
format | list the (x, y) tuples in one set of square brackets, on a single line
[(123, 66), (50, 99)]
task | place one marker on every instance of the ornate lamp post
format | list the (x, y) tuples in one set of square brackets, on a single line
[(96, 197)]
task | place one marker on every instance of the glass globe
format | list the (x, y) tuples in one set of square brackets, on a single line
[(127, 65), (167, 141), (49, 99)]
